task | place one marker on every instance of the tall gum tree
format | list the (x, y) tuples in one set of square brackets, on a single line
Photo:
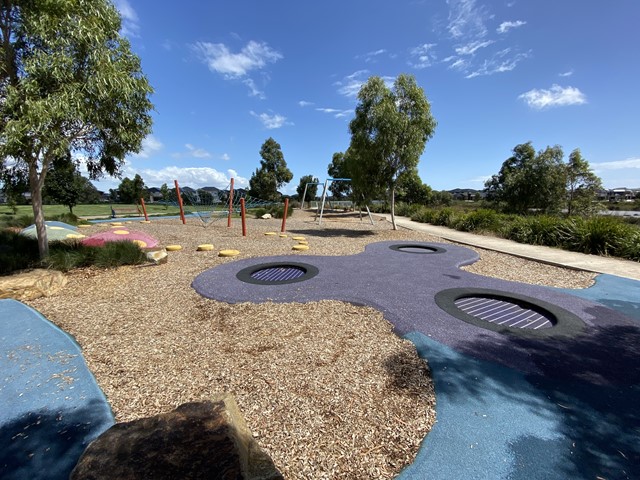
[(68, 83), (388, 135)]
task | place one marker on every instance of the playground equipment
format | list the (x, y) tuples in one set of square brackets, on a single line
[(304, 195), (324, 198)]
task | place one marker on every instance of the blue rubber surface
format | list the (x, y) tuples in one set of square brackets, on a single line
[(508, 407), (50, 404)]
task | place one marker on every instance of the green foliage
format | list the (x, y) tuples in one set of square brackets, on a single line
[(63, 183), (338, 169), (17, 252), (480, 220), (388, 135), (582, 186), (529, 181), (312, 190), (598, 235), (131, 191), (68, 83), (410, 188), (276, 211), (272, 174)]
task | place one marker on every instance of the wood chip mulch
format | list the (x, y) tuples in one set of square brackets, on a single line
[(326, 387)]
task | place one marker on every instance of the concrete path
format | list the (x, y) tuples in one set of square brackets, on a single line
[(553, 256)]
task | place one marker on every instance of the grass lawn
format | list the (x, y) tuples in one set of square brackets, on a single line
[(92, 210)]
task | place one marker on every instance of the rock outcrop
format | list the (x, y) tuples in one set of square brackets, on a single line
[(33, 284), (200, 440)]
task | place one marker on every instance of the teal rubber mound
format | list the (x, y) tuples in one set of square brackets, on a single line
[(51, 407)]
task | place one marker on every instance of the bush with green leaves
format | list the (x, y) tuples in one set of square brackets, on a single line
[(480, 220), (598, 235)]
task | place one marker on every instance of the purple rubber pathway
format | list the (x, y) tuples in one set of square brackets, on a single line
[(559, 402)]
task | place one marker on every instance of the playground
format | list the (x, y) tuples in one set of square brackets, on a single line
[(329, 388)]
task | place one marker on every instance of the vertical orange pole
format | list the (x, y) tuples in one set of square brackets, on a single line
[(284, 215), (180, 202), (243, 214), (230, 204), (144, 209)]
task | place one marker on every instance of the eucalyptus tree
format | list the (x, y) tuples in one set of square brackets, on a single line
[(388, 135), (272, 174), (68, 83), (582, 185)]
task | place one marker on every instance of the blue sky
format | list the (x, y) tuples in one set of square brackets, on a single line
[(228, 75)]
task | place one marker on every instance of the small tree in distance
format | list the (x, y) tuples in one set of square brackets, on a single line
[(582, 185), (272, 174), (338, 169), (312, 190)]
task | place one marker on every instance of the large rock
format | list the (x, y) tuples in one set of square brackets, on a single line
[(33, 284), (157, 256), (202, 440)]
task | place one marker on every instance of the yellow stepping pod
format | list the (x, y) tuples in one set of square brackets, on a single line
[(84, 226), (283, 235), (205, 247), (228, 253), (75, 235), (300, 247), (140, 243), (116, 224), (145, 221), (121, 232), (269, 233), (173, 248), (297, 238)]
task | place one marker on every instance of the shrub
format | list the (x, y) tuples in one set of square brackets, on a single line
[(17, 252), (479, 220), (444, 217), (597, 235), (259, 212), (115, 254), (545, 230), (423, 215)]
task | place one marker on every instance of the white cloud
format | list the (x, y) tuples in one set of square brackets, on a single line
[(225, 157), (254, 91), (195, 177), (271, 121), (466, 19), (335, 112), (506, 26), (304, 103), (556, 96), (617, 165), (424, 55), (481, 179), (566, 74), (473, 47), (351, 84), (130, 26), (197, 152), (500, 62), (370, 57), (254, 56), (150, 146)]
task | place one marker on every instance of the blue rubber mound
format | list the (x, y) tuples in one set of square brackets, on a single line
[(51, 407)]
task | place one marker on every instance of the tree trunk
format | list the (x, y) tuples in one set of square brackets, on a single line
[(393, 207), (36, 204)]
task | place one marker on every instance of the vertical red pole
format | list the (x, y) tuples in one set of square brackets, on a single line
[(243, 214), (144, 209), (230, 204), (284, 215), (180, 202)]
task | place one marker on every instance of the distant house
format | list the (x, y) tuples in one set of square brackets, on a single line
[(622, 194), (466, 193), (155, 195)]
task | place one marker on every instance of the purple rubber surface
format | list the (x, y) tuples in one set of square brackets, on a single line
[(403, 285)]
